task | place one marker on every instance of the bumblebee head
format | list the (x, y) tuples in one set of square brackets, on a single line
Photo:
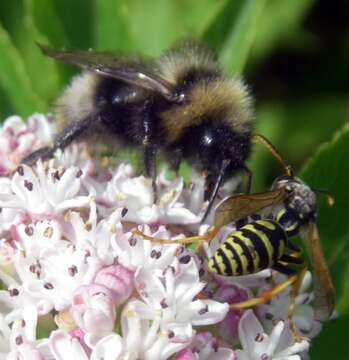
[(218, 144)]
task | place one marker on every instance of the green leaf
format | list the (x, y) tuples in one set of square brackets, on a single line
[(22, 29), (236, 47), (217, 32), (329, 169), (48, 22), (281, 20), (49, 29), (112, 25), (332, 342), (15, 80), (149, 29), (261, 161), (77, 19)]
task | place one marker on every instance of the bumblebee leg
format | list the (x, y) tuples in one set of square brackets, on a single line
[(175, 157), (213, 183), (149, 162), (62, 140), (43, 153), (149, 152)]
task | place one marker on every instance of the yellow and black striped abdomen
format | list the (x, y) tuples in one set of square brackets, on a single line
[(254, 247)]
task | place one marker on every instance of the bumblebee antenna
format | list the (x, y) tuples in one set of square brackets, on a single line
[(260, 139), (329, 196), (218, 183)]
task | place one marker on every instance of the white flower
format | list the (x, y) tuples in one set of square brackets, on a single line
[(19, 340), (136, 195), (8, 217), (16, 298), (92, 236), (67, 246), (44, 194), (303, 316), (36, 238), (57, 275), (173, 297), (257, 345), (18, 139), (136, 253), (205, 347)]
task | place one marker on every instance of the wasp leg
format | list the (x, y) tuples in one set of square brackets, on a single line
[(283, 269), (293, 247), (296, 281), (292, 259), (266, 295), (291, 306), (62, 140), (187, 240)]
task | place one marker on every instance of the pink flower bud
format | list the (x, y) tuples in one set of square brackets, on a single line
[(79, 334), (185, 354), (118, 279), (231, 294), (93, 309)]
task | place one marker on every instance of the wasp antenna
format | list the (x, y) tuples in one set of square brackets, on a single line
[(328, 194), (260, 139)]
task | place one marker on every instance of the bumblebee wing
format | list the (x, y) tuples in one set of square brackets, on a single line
[(323, 287), (238, 207), (136, 72)]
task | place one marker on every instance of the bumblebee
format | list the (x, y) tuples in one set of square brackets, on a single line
[(181, 104)]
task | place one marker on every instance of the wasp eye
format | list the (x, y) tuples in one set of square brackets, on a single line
[(288, 189)]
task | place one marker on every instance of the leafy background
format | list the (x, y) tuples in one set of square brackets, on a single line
[(294, 54)]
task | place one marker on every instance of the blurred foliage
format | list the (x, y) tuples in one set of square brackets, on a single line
[(294, 55)]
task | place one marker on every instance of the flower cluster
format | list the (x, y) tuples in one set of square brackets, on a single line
[(75, 282)]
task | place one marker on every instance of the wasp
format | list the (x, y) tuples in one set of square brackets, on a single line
[(286, 211)]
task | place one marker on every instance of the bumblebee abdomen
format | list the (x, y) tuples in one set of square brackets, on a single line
[(256, 246), (77, 101)]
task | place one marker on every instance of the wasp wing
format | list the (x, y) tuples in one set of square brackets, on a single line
[(323, 287), (133, 71), (238, 207)]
